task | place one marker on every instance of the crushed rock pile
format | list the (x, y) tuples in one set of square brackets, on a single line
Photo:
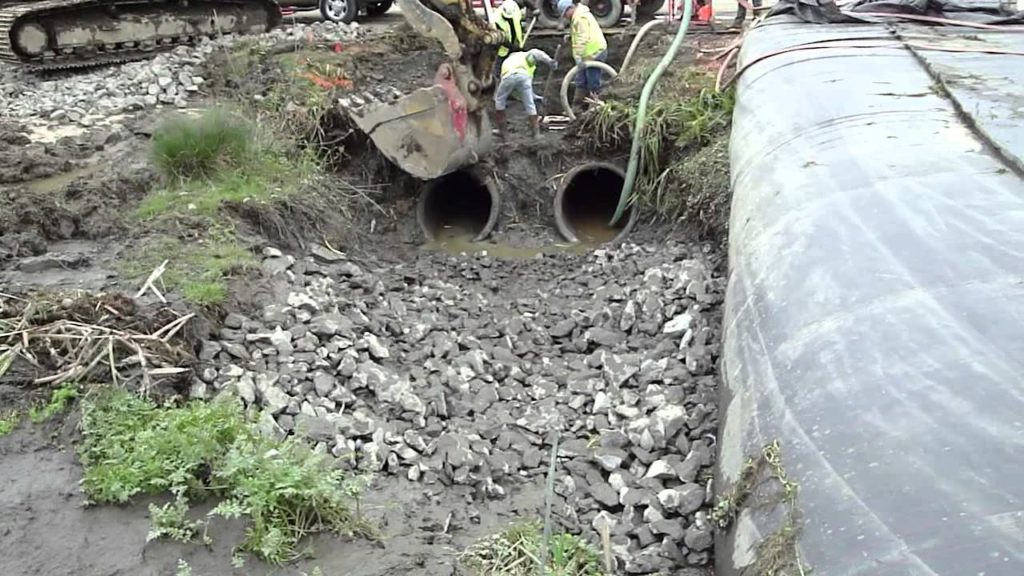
[(462, 371), (168, 79)]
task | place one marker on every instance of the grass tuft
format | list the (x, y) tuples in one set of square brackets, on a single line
[(516, 551), (185, 148), (284, 490), (685, 116), (199, 270)]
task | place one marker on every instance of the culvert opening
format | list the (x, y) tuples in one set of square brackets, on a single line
[(586, 202), (458, 205)]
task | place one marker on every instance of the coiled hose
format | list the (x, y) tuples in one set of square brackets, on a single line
[(636, 42), (567, 81), (641, 112)]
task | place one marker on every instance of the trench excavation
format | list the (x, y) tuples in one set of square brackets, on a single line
[(586, 201), (458, 205)]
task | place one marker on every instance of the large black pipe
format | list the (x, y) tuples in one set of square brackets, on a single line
[(458, 204), (586, 201)]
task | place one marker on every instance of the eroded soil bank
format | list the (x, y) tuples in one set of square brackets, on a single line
[(448, 376)]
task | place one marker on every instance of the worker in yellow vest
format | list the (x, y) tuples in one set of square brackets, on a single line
[(509, 22), (517, 76), (588, 43)]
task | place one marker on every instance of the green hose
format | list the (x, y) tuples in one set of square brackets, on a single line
[(641, 112)]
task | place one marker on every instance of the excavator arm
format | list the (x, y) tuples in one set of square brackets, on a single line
[(436, 130)]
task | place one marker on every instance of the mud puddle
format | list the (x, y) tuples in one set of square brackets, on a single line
[(57, 182)]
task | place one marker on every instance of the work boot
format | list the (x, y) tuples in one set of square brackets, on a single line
[(579, 98), (499, 122), (535, 125)]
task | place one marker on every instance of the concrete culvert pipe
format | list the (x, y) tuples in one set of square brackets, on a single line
[(460, 204), (586, 201)]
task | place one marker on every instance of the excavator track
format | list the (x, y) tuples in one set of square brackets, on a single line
[(63, 34)]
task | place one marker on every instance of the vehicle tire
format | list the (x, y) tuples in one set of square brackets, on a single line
[(649, 7), (547, 14), (607, 12), (344, 11), (380, 8)]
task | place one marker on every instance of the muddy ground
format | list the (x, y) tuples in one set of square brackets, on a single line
[(499, 351)]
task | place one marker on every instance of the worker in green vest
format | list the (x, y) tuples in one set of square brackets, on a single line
[(517, 77), (588, 43), (510, 22)]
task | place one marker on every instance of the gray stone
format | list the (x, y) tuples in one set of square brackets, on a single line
[(563, 328), (604, 495), (327, 325), (234, 321), (454, 449), (603, 522), (679, 324), (377, 350), (660, 469), (604, 337), (275, 266), (685, 499), (687, 469), (246, 390), (699, 537), (628, 318), (636, 497), (348, 366), (275, 400), (268, 428), (286, 421), (316, 428), (672, 528), (323, 383), (610, 458)]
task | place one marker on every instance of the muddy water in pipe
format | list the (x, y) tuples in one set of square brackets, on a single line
[(586, 201), (458, 207)]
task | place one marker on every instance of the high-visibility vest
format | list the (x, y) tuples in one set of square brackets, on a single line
[(518, 62), (513, 31), (585, 29)]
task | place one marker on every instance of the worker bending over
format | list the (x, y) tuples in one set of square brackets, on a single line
[(517, 76), (588, 43), (510, 23)]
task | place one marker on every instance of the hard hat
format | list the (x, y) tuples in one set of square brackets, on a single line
[(564, 5), (509, 8)]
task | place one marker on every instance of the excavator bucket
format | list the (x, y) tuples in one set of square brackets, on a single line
[(438, 129), (429, 132)]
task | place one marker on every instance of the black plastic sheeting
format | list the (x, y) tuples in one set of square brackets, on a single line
[(826, 11), (875, 309)]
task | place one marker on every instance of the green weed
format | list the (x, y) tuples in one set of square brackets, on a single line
[(516, 551), (9, 421), (183, 569), (171, 521), (59, 401), (675, 129), (283, 489), (185, 148), (777, 554)]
